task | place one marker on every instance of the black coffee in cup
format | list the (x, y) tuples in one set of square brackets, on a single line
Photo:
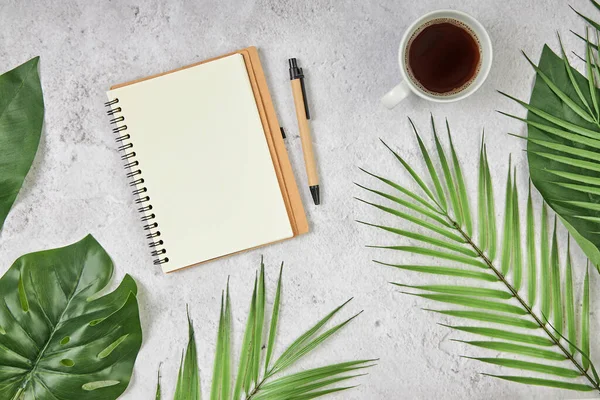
[(443, 56)]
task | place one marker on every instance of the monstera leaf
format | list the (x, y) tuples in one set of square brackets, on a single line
[(60, 338), (21, 117)]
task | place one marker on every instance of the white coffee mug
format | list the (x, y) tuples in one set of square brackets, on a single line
[(408, 85)]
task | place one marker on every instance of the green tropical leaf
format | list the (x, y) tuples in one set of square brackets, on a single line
[(302, 390), (259, 324), (469, 260), (584, 132), (506, 335), (21, 119), (569, 300), (430, 167), (474, 303), (489, 317), (426, 239), (557, 300), (545, 270), (221, 382), (448, 178), (546, 382), (188, 378), (585, 165), (412, 173), (517, 349), (413, 207), (274, 322), (462, 290), (242, 381), (158, 388), (561, 148), (562, 95), (256, 378), (304, 377), (502, 304), (508, 238), (588, 20), (569, 70), (516, 231), (589, 62), (402, 190), (490, 207), (585, 321), (482, 209), (460, 181), (563, 126), (531, 253), (529, 366), (448, 271), (418, 221), (304, 347), (560, 133), (60, 337)]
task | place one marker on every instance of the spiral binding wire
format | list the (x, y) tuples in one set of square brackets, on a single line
[(125, 145)]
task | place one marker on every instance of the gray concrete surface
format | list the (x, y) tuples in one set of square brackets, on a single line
[(348, 50)]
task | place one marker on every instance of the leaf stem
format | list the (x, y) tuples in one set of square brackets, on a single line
[(17, 395), (256, 388), (523, 303)]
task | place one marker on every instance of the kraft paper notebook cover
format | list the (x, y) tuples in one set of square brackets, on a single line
[(206, 159)]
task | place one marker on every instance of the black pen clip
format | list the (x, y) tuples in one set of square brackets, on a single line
[(304, 96), (297, 73)]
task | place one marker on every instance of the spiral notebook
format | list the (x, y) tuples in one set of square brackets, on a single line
[(206, 160)]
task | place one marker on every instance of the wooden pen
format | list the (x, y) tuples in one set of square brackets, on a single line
[(303, 115)]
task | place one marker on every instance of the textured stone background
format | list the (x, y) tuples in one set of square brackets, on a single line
[(348, 50)]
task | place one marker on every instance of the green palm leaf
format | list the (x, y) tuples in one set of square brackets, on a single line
[(432, 171), (585, 321), (518, 349), (157, 396), (516, 231), (221, 382), (531, 252), (546, 382), (462, 290), (490, 226), (569, 300), (545, 270), (188, 378), (506, 335), (508, 238), (557, 300), (258, 377), (448, 177), (513, 291), (530, 366), (448, 271), (490, 317), (460, 182), (563, 141)]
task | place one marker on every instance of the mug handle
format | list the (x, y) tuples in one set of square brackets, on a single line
[(396, 95)]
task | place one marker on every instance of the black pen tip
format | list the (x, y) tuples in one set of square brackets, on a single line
[(314, 191)]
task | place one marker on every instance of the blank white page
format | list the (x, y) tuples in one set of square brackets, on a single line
[(201, 147)]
